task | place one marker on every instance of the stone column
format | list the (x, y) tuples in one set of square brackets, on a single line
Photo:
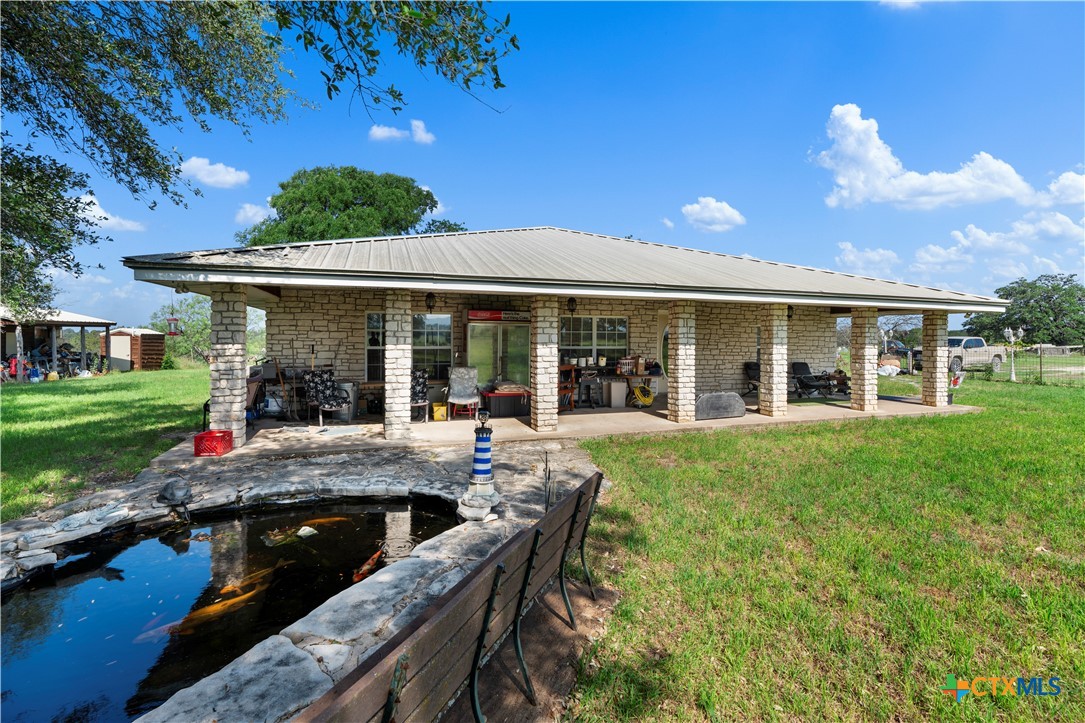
[(229, 369), (682, 362), (397, 364), (544, 363), (772, 393), (397, 533), (935, 359), (20, 374), (865, 347)]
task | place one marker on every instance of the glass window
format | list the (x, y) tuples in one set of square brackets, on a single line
[(431, 342), (374, 347), (594, 336)]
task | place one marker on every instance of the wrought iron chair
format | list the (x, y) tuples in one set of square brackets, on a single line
[(462, 391), (321, 392), (753, 377), (808, 383)]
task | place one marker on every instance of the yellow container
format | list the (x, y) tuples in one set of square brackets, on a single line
[(52, 377), (440, 411)]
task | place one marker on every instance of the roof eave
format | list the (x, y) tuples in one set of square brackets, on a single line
[(181, 274)]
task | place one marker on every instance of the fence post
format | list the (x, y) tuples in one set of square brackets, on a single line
[(1041, 363)]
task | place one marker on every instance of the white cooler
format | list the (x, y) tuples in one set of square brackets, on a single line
[(616, 391)]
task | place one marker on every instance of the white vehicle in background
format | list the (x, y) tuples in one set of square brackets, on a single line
[(966, 352)]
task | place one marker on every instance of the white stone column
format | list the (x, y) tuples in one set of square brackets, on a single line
[(229, 369), (397, 364), (544, 363), (865, 348), (772, 392), (682, 362), (935, 359)]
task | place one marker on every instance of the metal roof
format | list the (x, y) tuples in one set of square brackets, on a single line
[(56, 317), (529, 260)]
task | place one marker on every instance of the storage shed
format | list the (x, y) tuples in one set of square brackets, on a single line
[(135, 349)]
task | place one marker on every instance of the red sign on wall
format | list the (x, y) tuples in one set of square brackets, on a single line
[(481, 315)]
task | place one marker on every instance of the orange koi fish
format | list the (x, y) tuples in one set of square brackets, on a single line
[(215, 610), (255, 577), (367, 569), (325, 521)]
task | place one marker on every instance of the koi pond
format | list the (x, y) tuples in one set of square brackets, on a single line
[(124, 622)]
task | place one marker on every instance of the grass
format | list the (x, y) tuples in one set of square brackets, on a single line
[(843, 571), (62, 439)]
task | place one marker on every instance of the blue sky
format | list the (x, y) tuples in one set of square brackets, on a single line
[(938, 143)]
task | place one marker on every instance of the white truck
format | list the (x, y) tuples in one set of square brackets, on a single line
[(966, 352)]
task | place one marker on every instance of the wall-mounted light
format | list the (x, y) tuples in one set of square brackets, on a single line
[(790, 312), (431, 301), (571, 305)]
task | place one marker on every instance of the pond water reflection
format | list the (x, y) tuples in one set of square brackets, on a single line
[(123, 625)]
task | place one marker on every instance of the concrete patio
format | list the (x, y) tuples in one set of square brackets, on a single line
[(271, 438)]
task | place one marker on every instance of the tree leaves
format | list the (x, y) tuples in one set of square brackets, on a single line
[(337, 202), (1051, 308)]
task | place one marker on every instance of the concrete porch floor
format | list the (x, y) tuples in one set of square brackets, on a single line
[(272, 438)]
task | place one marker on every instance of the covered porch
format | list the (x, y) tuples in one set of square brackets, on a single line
[(502, 302)]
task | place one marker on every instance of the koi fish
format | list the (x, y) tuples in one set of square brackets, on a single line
[(156, 634), (326, 521), (255, 577), (215, 610), (367, 569)]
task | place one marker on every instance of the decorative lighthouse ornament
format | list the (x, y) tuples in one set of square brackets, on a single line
[(480, 497)]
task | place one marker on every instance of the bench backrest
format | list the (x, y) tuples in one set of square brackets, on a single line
[(420, 670)]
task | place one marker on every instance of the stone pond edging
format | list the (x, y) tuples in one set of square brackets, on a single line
[(286, 672)]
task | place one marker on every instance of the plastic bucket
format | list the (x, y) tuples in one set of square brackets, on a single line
[(440, 411)]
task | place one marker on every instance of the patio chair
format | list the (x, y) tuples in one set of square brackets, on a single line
[(808, 383), (321, 392), (462, 391), (753, 377), (420, 393)]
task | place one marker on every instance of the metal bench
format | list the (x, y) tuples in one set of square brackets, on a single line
[(419, 671)]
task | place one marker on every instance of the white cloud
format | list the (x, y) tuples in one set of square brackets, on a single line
[(901, 4), (708, 214), (386, 133), (1001, 252), (218, 175), (667, 222), (419, 134), (1069, 188), (105, 220), (865, 170), (868, 262), (249, 214)]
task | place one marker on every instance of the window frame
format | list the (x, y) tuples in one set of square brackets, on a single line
[(433, 347), (565, 349)]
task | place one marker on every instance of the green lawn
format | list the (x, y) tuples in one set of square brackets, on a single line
[(842, 571), (60, 439)]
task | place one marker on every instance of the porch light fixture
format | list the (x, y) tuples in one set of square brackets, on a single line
[(431, 301), (790, 312), (571, 304)]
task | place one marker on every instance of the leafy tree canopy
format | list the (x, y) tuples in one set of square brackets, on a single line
[(1051, 308), (98, 78), (43, 220), (334, 202)]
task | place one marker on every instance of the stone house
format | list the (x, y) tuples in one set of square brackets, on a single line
[(515, 302)]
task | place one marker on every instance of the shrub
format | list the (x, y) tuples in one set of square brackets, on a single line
[(987, 372), (168, 362)]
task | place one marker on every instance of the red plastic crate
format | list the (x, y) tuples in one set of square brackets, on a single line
[(214, 443)]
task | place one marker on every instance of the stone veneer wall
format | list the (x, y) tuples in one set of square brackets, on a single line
[(229, 368), (544, 363), (935, 391), (333, 322), (682, 362), (864, 359), (772, 394), (397, 364)]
